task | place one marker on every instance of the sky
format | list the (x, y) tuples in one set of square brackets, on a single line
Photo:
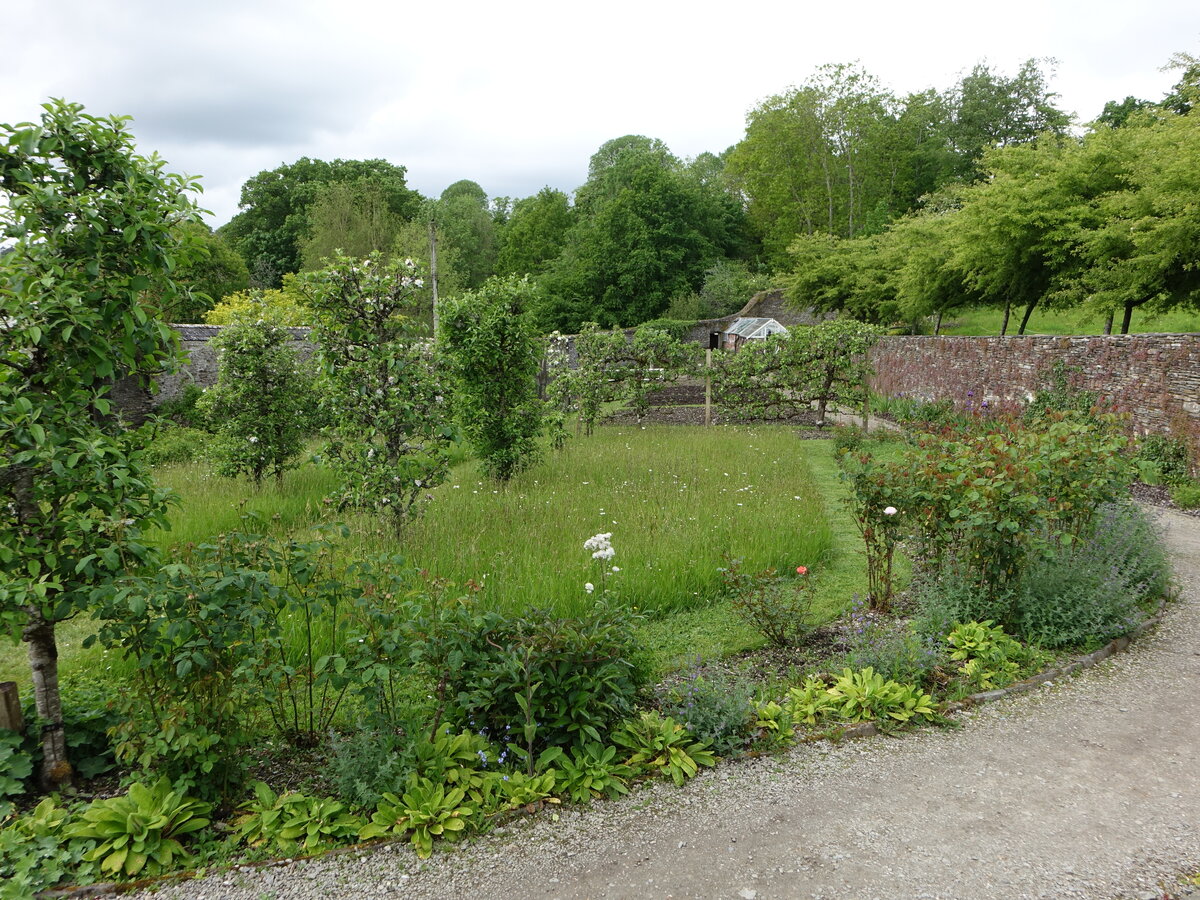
[(519, 95)]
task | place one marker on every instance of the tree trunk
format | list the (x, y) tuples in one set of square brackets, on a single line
[(1128, 317), (1025, 318), (1004, 322), (937, 325), (824, 399), (1109, 323), (43, 664)]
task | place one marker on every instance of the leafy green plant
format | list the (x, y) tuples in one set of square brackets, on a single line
[(781, 610), (810, 702), (34, 855), (139, 833), (292, 822), (426, 810), (859, 696), (866, 695), (1186, 496), (531, 681), (15, 766), (988, 657), (774, 723), (593, 771), (660, 745), (500, 791), (716, 708)]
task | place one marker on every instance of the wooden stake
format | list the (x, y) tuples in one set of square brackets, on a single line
[(10, 708)]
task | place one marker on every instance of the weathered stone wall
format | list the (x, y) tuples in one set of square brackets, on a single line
[(1155, 378), (200, 368)]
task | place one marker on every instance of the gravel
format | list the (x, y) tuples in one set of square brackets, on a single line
[(1087, 788)]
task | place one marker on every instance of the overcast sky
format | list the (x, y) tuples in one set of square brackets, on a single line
[(518, 95)]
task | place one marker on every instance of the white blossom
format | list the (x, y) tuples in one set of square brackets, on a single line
[(890, 511), (589, 587)]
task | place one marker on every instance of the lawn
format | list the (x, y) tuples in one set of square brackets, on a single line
[(678, 501), (984, 320)]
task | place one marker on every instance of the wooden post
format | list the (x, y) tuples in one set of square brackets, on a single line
[(10, 708), (708, 386)]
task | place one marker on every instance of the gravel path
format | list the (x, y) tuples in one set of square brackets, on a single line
[(1089, 788)]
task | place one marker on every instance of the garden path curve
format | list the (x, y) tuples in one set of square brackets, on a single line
[(1088, 788)]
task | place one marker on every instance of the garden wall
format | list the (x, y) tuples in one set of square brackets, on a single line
[(1155, 378)]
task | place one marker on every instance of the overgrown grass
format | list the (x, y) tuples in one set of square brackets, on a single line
[(983, 320), (676, 500)]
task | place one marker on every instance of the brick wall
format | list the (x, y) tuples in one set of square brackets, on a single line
[(1155, 378)]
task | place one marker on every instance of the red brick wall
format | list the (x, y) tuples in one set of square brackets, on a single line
[(1155, 378)]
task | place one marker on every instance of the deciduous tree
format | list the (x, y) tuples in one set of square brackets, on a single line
[(97, 226)]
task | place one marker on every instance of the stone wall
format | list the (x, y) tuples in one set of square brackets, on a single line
[(1155, 378)]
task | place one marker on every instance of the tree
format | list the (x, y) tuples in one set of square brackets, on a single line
[(821, 157), (646, 231), (274, 221), (493, 354), (215, 271), (535, 233), (354, 218), (97, 227), (1016, 237), (784, 374), (261, 401), (462, 215), (1141, 249), (992, 110), (384, 402)]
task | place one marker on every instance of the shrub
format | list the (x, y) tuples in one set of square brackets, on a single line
[(780, 610), (260, 402), (176, 444), (1094, 590), (1163, 459), (493, 353), (982, 505), (1186, 496), (715, 708), (181, 409), (1078, 593), (536, 680), (892, 649), (250, 614), (364, 765)]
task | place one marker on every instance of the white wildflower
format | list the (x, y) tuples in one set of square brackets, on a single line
[(589, 587), (890, 511)]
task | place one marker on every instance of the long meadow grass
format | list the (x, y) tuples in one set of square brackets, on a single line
[(679, 502)]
